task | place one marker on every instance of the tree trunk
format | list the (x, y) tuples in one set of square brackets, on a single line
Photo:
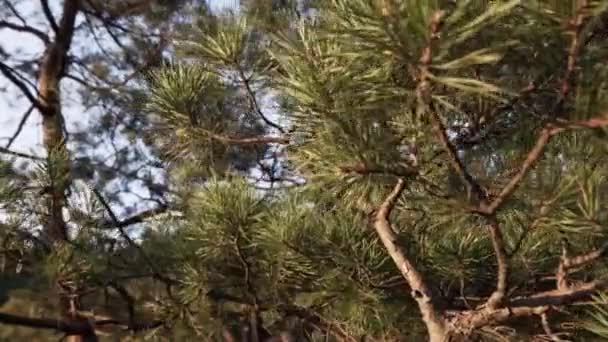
[(51, 72)]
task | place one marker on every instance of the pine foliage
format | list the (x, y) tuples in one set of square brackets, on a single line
[(450, 97)]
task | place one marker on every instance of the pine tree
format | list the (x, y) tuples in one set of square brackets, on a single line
[(461, 142), (426, 170)]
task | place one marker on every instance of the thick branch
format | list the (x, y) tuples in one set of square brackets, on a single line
[(73, 328), (49, 15), (467, 321), (46, 323), (420, 290)]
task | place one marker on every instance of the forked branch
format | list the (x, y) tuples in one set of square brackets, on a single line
[(568, 264)]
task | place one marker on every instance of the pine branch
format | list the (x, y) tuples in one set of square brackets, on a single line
[(567, 264), (498, 245), (574, 29), (535, 153), (420, 291)]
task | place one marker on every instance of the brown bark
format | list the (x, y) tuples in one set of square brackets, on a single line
[(420, 291), (52, 69), (498, 244)]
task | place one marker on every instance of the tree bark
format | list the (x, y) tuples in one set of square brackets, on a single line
[(52, 69), (420, 291)]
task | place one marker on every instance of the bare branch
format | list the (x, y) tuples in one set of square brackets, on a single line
[(498, 244), (25, 29), (24, 118), (129, 240), (420, 290), (11, 74), (16, 13), (561, 296), (470, 320), (253, 100), (20, 154), (139, 218), (46, 323), (49, 15), (547, 328), (455, 161), (79, 328)]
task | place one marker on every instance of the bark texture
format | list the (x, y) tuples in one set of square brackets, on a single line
[(52, 69)]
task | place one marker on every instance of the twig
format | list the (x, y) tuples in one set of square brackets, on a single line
[(129, 240), (535, 153), (138, 218), (20, 154), (24, 118), (362, 169), (9, 73), (250, 140), (547, 328), (567, 264), (253, 100), (498, 244), (575, 27), (25, 28)]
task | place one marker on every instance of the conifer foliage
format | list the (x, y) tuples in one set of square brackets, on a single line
[(430, 170)]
